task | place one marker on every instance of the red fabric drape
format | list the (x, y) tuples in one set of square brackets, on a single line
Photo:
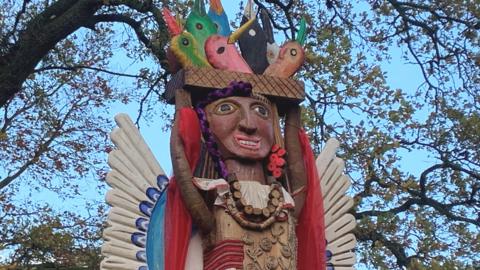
[(311, 226), (178, 223)]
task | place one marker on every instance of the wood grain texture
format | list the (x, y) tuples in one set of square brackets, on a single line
[(295, 165), (201, 215), (199, 81)]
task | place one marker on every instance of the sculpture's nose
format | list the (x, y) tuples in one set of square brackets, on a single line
[(247, 123)]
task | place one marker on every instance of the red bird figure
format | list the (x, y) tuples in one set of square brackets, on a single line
[(222, 53), (290, 57)]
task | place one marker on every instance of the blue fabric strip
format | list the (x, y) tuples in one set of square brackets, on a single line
[(156, 235)]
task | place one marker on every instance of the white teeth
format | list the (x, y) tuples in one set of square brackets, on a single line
[(247, 142)]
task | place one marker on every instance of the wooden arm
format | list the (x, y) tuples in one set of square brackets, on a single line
[(297, 176), (201, 215)]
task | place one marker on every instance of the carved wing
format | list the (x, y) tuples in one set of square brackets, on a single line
[(137, 197), (338, 223)]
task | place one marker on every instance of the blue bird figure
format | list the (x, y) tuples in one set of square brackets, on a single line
[(219, 17)]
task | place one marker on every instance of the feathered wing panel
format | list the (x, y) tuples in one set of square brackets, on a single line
[(338, 223), (138, 183)]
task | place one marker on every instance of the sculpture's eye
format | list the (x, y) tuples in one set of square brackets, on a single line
[(261, 110), (199, 26), (185, 41), (225, 108), (293, 52), (220, 50)]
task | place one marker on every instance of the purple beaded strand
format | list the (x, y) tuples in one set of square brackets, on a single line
[(242, 89)]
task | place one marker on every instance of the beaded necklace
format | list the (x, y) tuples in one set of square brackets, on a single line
[(250, 217)]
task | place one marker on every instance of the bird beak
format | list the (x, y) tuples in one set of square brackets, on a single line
[(238, 33), (249, 12)]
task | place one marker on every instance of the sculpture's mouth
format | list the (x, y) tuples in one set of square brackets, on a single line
[(250, 143)]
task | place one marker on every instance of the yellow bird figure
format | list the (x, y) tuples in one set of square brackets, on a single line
[(183, 44)]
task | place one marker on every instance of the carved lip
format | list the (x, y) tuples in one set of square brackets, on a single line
[(248, 142)]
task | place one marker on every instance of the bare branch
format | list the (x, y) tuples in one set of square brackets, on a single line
[(77, 67)]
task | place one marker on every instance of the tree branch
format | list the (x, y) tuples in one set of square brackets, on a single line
[(398, 250), (122, 18), (77, 67), (41, 35)]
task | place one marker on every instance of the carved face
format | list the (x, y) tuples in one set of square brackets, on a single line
[(242, 127)]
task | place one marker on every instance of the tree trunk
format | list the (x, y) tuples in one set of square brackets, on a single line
[(41, 35)]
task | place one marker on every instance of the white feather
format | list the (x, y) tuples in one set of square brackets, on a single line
[(119, 233), (346, 242), (118, 263), (340, 227), (118, 249), (117, 198), (134, 170), (118, 215), (343, 259), (338, 223), (125, 123), (119, 181)]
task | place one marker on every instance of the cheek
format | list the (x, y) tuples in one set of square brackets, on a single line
[(265, 129), (222, 126)]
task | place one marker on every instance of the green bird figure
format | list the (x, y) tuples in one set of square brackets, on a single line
[(183, 44), (200, 25)]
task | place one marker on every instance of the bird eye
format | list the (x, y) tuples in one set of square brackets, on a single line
[(261, 110), (220, 50), (216, 26), (185, 42), (199, 26), (225, 108), (293, 52)]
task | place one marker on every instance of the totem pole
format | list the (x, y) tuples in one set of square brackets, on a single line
[(245, 194)]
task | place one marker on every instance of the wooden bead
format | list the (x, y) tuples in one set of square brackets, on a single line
[(248, 209), (257, 211), (236, 186), (240, 203), (275, 202), (237, 195), (266, 212), (275, 194)]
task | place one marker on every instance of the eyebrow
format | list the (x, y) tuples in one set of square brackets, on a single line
[(267, 106), (232, 100)]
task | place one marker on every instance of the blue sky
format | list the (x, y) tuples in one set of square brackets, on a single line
[(400, 75)]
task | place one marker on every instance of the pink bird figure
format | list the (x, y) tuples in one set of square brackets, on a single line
[(222, 53), (291, 56)]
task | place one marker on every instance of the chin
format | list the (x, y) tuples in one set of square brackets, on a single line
[(246, 154)]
